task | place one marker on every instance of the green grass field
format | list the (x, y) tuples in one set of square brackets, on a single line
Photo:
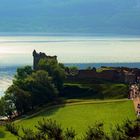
[(82, 114)]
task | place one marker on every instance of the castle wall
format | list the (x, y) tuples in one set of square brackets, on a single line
[(87, 74), (106, 75), (38, 56), (118, 74)]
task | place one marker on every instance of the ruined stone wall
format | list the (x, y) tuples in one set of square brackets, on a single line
[(110, 75), (118, 74), (87, 74), (38, 56)]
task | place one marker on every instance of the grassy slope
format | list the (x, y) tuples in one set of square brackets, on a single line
[(4, 135), (80, 115)]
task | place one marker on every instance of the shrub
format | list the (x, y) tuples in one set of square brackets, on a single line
[(14, 129), (96, 132), (128, 131), (70, 134), (51, 129), (118, 133), (28, 134)]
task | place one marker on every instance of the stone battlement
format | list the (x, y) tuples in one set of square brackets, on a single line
[(38, 56), (114, 74)]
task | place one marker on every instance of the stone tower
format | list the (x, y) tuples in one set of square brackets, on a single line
[(38, 56)]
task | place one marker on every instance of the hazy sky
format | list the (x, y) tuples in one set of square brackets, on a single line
[(18, 50), (77, 16)]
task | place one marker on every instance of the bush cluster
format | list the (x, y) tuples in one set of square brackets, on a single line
[(14, 129), (51, 130)]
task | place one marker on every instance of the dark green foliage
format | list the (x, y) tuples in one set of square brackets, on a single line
[(100, 91), (51, 129), (55, 70), (40, 85), (118, 133), (30, 89), (17, 93), (129, 128), (70, 134), (96, 132), (47, 130), (128, 131), (76, 91), (132, 129), (28, 134), (14, 129), (23, 72), (19, 97), (6, 107)]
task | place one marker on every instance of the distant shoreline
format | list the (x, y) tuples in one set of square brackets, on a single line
[(82, 65), (108, 35)]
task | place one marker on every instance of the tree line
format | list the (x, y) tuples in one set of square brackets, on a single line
[(31, 88)]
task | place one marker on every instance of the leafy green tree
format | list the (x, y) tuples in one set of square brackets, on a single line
[(55, 70), (6, 107), (30, 89), (23, 72), (2, 107), (36, 89), (40, 85), (18, 97)]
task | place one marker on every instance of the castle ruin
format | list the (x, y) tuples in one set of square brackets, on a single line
[(38, 56), (115, 74)]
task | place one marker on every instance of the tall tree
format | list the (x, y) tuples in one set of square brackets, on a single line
[(55, 70)]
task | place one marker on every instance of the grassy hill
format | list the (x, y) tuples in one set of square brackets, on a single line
[(79, 114)]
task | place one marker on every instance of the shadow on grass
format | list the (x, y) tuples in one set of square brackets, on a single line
[(2, 134), (47, 111)]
